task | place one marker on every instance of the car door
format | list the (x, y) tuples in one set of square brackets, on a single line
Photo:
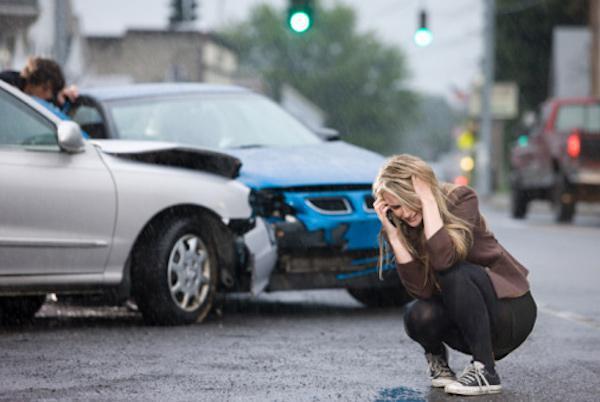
[(90, 118), (57, 209)]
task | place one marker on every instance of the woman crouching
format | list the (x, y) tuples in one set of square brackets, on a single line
[(472, 295)]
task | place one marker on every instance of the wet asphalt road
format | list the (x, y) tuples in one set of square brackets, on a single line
[(315, 346)]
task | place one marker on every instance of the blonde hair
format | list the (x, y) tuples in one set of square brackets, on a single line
[(395, 178)]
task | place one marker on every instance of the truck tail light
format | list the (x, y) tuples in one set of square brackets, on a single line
[(574, 144)]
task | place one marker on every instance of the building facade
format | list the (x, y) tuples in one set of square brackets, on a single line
[(161, 55), (16, 16)]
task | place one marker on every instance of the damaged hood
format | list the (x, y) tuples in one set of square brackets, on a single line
[(171, 154), (326, 163)]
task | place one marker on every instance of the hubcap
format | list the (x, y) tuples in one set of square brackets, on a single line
[(189, 272)]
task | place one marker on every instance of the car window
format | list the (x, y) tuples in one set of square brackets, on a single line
[(586, 117), (90, 120), (215, 121), (20, 126)]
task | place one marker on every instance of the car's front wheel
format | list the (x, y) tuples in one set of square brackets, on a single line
[(380, 297), (174, 273), (17, 310)]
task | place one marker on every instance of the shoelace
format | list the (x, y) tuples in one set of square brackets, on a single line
[(473, 372)]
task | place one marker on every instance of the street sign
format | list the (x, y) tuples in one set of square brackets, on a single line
[(505, 101)]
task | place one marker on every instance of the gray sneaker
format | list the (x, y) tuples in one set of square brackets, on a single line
[(475, 380), (439, 371)]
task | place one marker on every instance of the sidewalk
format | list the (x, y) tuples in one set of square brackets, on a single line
[(501, 202)]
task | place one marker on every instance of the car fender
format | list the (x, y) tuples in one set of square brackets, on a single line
[(145, 190)]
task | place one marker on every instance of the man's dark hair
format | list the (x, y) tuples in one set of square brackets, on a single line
[(40, 71)]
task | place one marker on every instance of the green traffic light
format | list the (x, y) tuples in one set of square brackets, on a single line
[(423, 37), (299, 21), (523, 140)]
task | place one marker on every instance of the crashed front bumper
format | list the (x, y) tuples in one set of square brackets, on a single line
[(316, 259)]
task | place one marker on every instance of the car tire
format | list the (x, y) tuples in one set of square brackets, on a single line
[(563, 200), (18, 310), (174, 272), (381, 297), (519, 201)]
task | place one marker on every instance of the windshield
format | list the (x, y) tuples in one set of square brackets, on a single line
[(213, 121)]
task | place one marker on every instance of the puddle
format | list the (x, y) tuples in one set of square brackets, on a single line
[(400, 394)]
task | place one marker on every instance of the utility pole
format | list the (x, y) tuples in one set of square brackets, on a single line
[(61, 31), (484, 147)]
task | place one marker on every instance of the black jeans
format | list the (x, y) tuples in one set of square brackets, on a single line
[(469, 317)]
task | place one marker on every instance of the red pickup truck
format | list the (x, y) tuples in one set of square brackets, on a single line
[(559, 159)]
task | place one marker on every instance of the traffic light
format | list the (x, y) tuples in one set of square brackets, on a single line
[(467, 163), (190, 8), (183, 10), (466, 140), (423, 36), (523, 140), (300, 15)]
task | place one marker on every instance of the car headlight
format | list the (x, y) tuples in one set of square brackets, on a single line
[(270, 203)]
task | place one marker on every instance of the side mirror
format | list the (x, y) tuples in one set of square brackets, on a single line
[(328, 134), (69, 137)]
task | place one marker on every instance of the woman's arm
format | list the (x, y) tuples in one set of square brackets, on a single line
[(411, 272), (400, 251), (440, 248)]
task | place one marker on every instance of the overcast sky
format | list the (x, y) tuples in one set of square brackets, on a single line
[(452, 60)]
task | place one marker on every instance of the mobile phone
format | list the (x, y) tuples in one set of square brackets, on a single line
[(389, 215)]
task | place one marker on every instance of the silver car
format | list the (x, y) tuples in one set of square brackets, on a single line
[(79, 216)]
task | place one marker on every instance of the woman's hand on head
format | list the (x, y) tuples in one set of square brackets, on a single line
[(423, 190), (382, 208), (393, 237), (432, 219)]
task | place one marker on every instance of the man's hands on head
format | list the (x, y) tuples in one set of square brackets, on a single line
[(70, 93)]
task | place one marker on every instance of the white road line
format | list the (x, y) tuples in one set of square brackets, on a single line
[(570, 316)]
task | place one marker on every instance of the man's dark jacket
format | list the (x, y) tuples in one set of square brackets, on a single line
[(13, 78)]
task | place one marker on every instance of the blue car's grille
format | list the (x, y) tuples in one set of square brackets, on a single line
[(369, 200), (329, 205)]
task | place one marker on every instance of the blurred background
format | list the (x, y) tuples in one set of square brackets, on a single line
[(392, 76)]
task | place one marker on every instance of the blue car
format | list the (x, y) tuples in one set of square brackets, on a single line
[(314, 192)]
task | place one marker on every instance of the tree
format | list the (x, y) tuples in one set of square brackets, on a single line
[(353, 77)]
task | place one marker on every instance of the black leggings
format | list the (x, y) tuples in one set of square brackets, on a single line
[(469, 317)]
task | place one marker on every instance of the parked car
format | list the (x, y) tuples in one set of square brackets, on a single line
[(79, 217), (314, 192), (559, 159)]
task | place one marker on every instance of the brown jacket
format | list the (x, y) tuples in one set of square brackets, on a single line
[(508, 276)]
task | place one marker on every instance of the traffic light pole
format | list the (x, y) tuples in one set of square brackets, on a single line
[(484, 147)]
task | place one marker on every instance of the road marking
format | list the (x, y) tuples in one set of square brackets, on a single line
[(570, 316)]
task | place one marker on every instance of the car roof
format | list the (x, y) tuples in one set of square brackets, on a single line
[(158, 89)]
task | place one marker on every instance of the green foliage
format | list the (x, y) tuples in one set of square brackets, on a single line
[(353, 77), (524, 42)]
